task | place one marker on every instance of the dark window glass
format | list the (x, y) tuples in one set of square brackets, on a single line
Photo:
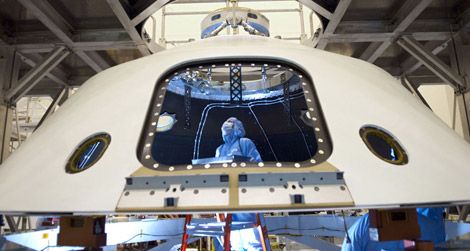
[(383, 145), (215, 17), (234, 114), (251, 15), (88, 153)]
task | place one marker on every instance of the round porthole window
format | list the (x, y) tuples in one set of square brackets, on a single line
[(383, 145), (88, 153)]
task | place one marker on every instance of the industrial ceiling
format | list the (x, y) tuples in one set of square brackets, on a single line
[(91, 35)]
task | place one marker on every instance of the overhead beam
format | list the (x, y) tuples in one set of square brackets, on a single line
[(411, 64), (147, 12), (59, 25), (383, 37), (121, 14), (28, 81), (317, 8), (430, 79), (384, 26), (402, 19), (94, 61), (58, 79), (125, 43), (431, 61), (78, 46), (100, 61), (334, 21), (52, 19)]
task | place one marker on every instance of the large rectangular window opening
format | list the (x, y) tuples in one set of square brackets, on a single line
[(234, 114)]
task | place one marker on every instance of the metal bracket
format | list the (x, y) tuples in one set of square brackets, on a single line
[(175, 192), (292, 188)]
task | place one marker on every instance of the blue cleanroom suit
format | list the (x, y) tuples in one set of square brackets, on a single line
[(430, 220), (233, 134)]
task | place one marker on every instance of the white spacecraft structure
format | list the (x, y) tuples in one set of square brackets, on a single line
[(333, 132)]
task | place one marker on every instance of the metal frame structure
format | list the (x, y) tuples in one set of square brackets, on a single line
[(46, 49), (236, 88), (370, 37)]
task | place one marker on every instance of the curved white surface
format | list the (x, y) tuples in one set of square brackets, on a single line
[(352, 93)]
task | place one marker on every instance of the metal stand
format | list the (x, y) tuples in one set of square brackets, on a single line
[(228, 225), (264, 232), (184, 241), (227, 230)]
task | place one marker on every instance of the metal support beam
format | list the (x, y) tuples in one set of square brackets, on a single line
[(374, 50), (334, 21), (111, 44), (11, 223), (100, 61), (411, 64), (93, 59), (287, 101), (8, 74), (56, 78), (51, 18), (114, 38), (317, 8), (187, 106), (6, 120), (236, 88), (402, 19), (383, 37), (55, 101), (431, 61), (147, 12), (464, 211), (413, 88), (59, 25), (36, 74), (463, 101), (121, 14), (460, 62)]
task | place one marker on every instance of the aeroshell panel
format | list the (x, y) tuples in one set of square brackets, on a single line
[(353, 94)]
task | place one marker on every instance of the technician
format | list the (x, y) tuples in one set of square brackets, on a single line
[(235, 144)]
